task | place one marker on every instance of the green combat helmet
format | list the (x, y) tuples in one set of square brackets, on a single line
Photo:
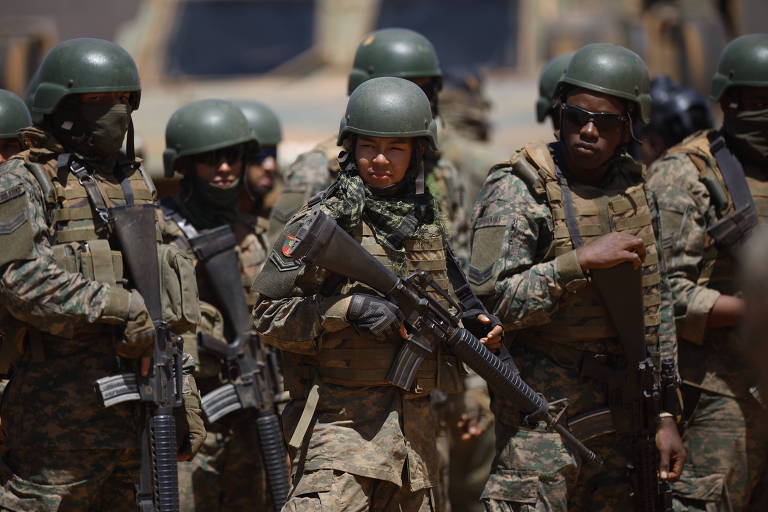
[(743, 62), (550, 75), (610, 69), (389, 107), (263, 121), (202, 126), (81, 66), (395, 52), (13, 115)]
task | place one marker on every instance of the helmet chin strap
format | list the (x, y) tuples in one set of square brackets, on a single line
[(129, 143)]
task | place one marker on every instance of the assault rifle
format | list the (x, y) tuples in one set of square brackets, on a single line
[(322, 242), (161, 389), (251, 370), (641, 396)]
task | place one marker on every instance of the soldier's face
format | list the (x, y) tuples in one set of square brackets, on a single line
[(8, 148), (591, 142), (382, 161), (261, 170), (221, 168), (748, 98)]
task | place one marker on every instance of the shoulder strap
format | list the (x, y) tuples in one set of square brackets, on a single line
[(46, 185), (732, 171), (568, 207), (86, 179), (171, 211), (732, 229)]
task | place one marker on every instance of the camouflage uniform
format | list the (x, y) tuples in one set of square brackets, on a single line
[(68, 451), (365, 437), (524, 264), (362, 443), (727, 451), (227, 473)]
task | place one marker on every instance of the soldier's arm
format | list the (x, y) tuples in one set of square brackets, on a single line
[(290, 311), (33, 288), (512, 232), (683, 203)]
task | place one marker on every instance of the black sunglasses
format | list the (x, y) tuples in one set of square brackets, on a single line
[(262, 154), (229, 154), (604, 121)]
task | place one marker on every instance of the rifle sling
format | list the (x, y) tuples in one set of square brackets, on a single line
[(729, 231)]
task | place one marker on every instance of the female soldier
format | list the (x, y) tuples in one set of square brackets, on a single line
[(363, 444)]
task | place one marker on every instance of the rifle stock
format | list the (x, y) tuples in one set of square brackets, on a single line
[(322, 242)]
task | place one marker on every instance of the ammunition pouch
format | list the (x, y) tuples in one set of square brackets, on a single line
[(179, 299)]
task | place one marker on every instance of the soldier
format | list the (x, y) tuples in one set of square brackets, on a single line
[(712, 190), (362, 443), (263, 181), (13, 117), (62, 279), (529, 264), (208, 142), (677, 113), (389, 52), (548, 80)]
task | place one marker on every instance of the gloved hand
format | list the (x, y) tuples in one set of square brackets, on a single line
[(139, 334), (375, 315)]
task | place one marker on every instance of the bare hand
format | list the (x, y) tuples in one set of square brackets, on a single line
[(727, 311), (492, 340), (671, 451), (611, 250), (470, 428)]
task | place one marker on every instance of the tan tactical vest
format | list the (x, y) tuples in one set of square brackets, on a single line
[(581, 317), (348, 359), (718, 270), (81, 241)]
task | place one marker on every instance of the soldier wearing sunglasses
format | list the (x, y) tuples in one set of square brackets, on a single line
[(544, 222), (209, 142)]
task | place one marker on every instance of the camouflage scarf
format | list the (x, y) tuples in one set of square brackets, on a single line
[(393, 219)]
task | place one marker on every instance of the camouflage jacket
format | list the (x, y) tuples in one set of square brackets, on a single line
[(72, 322), (521, 280), (314, 170), (700, 271), (372, 430)]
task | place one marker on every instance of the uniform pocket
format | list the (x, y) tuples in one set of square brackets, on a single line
[(512, 486), (15, 230), (709, 488), (487, 243)]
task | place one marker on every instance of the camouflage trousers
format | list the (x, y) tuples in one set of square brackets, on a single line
[(727, 450), (534, 470), (226, 474), (328, 490), (69, 480)]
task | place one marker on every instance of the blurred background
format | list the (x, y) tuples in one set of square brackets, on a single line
[(294, 55)]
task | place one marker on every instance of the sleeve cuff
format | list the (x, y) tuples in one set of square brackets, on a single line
[(569, 271), (116, 308), (333, 311), (694, 325)]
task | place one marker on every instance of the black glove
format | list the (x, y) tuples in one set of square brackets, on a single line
[(475, 326), (375, 315)]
